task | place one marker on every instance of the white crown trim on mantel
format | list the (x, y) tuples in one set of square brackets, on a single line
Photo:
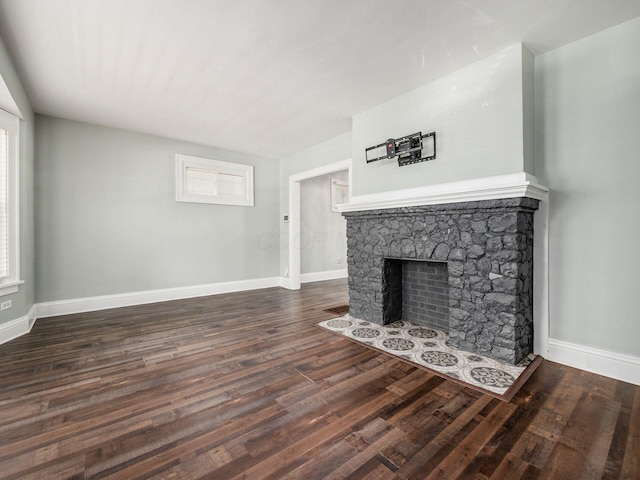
[(511, 185)]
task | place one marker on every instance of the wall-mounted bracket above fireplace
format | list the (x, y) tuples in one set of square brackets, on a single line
[(409, 149)]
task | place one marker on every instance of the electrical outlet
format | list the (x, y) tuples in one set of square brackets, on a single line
[(339, 261), (5, 305)]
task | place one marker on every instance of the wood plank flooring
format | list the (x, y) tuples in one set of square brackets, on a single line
[(243, 386)]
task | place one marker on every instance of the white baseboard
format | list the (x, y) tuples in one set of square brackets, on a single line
[(610, 364), (18, 327), (90, 304), (322, 276)]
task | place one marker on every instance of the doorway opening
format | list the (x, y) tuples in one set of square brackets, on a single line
[(294, 240)]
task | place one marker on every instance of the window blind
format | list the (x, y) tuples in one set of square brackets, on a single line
[(205, 180), (4, 214)]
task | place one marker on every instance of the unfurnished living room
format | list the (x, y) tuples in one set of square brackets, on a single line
[(288, 239)]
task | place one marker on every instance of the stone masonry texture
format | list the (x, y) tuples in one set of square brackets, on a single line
[(488, 249)]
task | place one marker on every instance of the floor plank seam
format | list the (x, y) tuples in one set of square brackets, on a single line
[(305, 376)]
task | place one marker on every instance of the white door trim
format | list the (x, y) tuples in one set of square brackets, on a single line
[(294, 214)]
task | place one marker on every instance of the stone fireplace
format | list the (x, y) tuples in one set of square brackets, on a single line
[(463, 266)]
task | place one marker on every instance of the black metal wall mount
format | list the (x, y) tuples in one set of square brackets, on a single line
[(408, 149)]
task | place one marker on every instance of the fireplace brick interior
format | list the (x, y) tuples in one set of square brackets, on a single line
[(420, 291), (487, 247)]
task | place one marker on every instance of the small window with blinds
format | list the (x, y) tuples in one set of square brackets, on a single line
[(202, 180), (9, 239)]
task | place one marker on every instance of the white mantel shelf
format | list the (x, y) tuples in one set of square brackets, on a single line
[(512, 185)]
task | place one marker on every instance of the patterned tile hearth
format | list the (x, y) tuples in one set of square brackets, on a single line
[(429, 348)]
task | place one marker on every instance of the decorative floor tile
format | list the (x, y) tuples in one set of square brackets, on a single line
[(429, 348)]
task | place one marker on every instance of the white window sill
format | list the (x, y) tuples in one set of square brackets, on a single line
[(10, 287)]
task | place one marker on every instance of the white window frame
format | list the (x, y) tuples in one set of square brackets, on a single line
[(11, 283), (215, 167)]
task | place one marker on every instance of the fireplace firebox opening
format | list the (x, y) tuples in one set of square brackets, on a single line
[(416, 291)]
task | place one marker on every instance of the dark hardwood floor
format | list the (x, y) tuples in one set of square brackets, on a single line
[(244, 386)]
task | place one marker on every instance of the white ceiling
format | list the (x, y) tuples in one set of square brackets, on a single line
[(269, 77)]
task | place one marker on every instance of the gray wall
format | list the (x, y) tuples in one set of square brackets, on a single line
[(477, 113), (323, 233), (107, 221), (24, 299), (587, 148)]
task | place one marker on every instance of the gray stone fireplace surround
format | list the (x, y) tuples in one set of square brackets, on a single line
[(488, 249)]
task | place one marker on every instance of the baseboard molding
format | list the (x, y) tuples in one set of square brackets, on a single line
[(90, 304), (603, 362), (18, 327), (322, 276)]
